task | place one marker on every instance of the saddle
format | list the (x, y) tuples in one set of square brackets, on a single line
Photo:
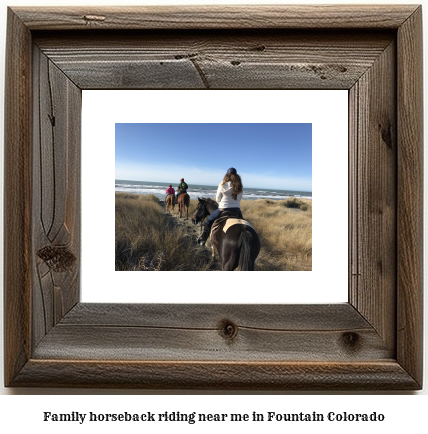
[(231, 218)]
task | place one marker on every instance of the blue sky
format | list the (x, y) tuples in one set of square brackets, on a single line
[(265, 155)]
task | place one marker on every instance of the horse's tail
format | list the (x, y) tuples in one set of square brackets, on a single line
[(249, 246)]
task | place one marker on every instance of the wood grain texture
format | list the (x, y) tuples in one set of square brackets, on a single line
[(372, 342), (385, 375), (373, 177), (56, 194), (216, 59), (216, 17), (199, 332), (209, 316), (17, 199), (410, 196)]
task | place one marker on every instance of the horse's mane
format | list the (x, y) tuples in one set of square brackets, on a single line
[(208, 200)]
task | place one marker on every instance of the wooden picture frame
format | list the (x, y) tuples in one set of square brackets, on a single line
[(372, 342)]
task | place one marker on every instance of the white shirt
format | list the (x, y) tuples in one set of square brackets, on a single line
[(224, 196)]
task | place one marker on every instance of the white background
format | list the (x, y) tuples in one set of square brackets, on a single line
[(328, 113), (16, 412)]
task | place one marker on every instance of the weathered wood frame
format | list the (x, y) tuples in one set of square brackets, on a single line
[(372, 342)]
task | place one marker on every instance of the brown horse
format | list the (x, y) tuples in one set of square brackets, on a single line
[(183, 201), (170, 203), (238, 247)]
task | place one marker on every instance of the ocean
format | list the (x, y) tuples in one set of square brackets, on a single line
[(208, 191)]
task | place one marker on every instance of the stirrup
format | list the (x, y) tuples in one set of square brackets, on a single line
[(202, 239)]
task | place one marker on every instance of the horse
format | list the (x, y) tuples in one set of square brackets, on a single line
[(238, 248), (183, 201), (170, 202)]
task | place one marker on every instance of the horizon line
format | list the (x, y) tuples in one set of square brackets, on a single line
[(212, 185)]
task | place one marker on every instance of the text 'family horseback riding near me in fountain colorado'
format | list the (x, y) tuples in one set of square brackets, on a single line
[(194, 417)]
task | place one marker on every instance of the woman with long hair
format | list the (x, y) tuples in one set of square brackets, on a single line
[(229, 195)]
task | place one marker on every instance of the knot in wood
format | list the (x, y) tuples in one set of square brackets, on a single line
[(227, 329), (351, 340), (58, 259), (94, 18), (386, 134), (51, 119)]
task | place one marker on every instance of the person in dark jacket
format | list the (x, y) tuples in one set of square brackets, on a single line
[(182, 188)]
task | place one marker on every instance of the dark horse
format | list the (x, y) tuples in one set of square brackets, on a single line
[(183, 201), (237, 248)]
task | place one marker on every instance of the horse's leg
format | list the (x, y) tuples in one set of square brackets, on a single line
[(228, 267), (231, 250), (223, 251), (230, 263), (214, 246)]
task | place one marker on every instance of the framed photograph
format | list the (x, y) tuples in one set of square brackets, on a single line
[(186, 160), (372, 341), (283, 227)]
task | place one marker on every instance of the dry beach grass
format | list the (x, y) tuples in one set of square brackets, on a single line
[(147, 239), (285, 231)]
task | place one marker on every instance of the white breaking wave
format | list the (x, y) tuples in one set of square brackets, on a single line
[(194, 194)]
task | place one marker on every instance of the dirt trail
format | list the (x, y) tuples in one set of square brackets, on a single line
[(193, 231)]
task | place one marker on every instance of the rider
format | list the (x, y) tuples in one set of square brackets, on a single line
[(229, 195), (169, 191), (182, 188)]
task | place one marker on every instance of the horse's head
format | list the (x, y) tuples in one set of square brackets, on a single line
[(201, 211)]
